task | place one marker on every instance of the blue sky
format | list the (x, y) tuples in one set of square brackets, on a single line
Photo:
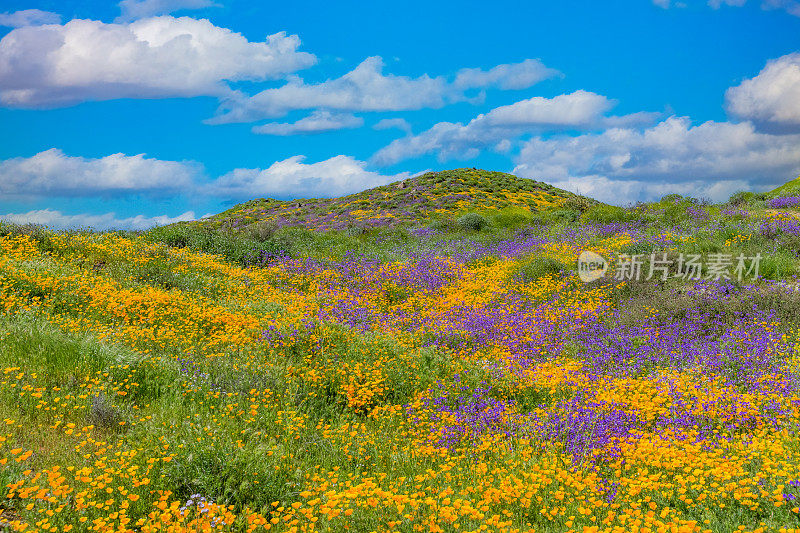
[(149, 111)]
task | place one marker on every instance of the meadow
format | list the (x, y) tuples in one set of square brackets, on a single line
[(443, 372)]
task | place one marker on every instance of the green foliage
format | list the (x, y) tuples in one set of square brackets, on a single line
[(605, 214), (538, 266), (670, 198), (578, 203), (510, 218), (58, 355), (443, 224), (790, 188), (472, 222), (740, 198), (778, 265), (262, 231), (235, 247), (562, 216)]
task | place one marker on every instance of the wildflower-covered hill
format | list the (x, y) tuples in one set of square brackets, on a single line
[(422, 378), (430, 195)]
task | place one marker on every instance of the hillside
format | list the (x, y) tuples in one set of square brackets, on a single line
[(790, 188), (186, 380), (428, 196)]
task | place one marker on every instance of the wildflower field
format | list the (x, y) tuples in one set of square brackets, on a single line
[(452, 375)]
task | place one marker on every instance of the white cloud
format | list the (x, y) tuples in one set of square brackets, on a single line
[(108, 221), (577, 110), (29, 17), (136, 9), (51, 66), (507, 77), (632, 164), (367, 88), (53, 173), (790, 6), (716, 4), (625, 192), (772, 98), (337, 176), (317, 122), (393, 123)]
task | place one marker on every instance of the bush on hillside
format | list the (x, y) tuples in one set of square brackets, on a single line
[(472, 222), (578, 203), (262, 231), (563, 216), (235, 247), (443, 224), (509, 219), (538, 266), (605, 214), (740, 198), (671, 198)]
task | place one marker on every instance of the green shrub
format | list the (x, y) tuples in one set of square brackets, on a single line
[(578, 203), (740, 198), (235, 247), (777, 266), (262, 231), (509, 219), (472, 222), (443, 224), (638, 248), (537, 266), (675, 214), (605, 214), (671, 198), (565, 216)]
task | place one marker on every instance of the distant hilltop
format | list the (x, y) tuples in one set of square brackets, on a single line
[(423, 198)]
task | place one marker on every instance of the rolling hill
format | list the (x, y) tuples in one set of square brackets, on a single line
[(426, 197)]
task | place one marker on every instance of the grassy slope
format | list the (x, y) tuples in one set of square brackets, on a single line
[(424, 197), (790, 188)]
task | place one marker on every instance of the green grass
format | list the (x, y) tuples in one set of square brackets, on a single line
[(790, 188)]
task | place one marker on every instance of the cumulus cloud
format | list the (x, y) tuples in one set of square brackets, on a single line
[(108, 221), (29, 17), (771, 99), (716, 4), (136, 9), (712, 158), (317, 122), (337, 176), (53, 173), (160, 57), (790, 6), (625, 192), (577, 110), (367, 88), (507, 77), (393, 123)]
